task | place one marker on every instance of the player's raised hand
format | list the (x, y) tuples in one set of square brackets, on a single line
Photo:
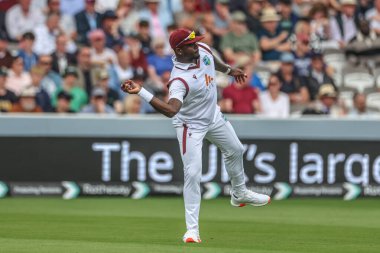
[(239, 75), (130, 87)]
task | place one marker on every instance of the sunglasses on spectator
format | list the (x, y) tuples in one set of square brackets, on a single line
[(190, 37), (46, 62)]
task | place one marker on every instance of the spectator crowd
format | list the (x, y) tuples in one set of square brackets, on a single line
[(302, 57)]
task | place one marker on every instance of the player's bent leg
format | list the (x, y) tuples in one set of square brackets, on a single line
[(223, 135)]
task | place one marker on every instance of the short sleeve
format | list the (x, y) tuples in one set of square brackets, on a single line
[(177, 90)]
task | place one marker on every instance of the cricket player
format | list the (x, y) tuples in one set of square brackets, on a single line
[(193, 106)]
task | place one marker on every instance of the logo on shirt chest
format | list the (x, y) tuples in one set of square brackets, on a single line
[(206, 60), (208, 79)]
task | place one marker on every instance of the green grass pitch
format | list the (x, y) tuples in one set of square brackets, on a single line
[(105, 225)]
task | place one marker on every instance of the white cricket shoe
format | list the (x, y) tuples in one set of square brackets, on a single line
[(192, 236), (249, 198)]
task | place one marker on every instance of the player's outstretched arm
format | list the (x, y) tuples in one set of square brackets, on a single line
[(220, 66), (169, 109)]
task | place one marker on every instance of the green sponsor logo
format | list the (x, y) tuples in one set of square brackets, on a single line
[(3, 190), (141, 190), (283, 191), (71, 190), (212, 190)]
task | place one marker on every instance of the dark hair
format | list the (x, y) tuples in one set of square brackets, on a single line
[(285, 2), (318, 7), (28, 36), (356, 94), (144, 23)]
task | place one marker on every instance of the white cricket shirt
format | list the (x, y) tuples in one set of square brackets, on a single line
[(194, 85)]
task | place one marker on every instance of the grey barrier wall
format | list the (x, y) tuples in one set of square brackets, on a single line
[(139, 156)]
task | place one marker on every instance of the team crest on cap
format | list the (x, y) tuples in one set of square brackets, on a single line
[(206, 60)]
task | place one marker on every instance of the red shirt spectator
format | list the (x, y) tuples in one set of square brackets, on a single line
[(6, 4), (243, 97)]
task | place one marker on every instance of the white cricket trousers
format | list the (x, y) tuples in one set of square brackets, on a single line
[(222, 134)]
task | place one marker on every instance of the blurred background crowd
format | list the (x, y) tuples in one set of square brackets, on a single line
[(302, 57)]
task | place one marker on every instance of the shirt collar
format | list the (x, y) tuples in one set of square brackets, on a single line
[(184, 66)]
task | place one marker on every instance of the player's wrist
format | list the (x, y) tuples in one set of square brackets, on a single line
[(228, 70), (146, 95)]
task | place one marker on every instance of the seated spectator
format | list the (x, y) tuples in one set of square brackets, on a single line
[(27, 102), (373, 16), (79, 96), (100, 54), (66, 22), (61, 58), (128, 17), (17, 79), (123, 70), (112, 96), (140, 77), (132, 104), (98, 103), (222, 17), (6, 58), (302, 56), (7, 97), (318, 75), (26, 52), (51, 80), (86, 21), (272, 39), (241, 98), (344, 25), (63, 102), (189, 10), (143, 36), (46, 35), (159, 18), (159, 62), (360, 105), (319, 21), (86, 70), (273, 102), (22, 18), (365, 46), (291, 82), (288, 17), (114, 37), (239, 41), (254, 8), (138, 58), (42, 97), (326, 103)]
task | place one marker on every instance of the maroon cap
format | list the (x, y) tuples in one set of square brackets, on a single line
[(182, 37)]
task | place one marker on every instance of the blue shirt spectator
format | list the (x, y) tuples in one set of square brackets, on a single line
[(72, 7), (158, 18), (272, 39), (159, 60)]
